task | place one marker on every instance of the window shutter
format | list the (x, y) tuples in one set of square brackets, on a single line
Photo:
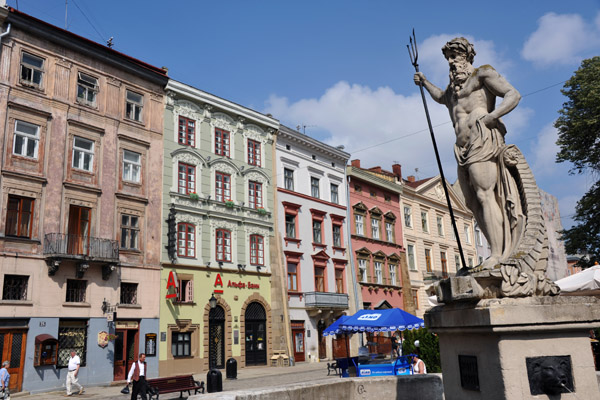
[(190, 291)]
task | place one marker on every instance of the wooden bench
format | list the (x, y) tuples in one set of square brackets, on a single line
[(181, 383)]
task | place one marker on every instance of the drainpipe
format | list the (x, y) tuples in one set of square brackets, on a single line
[(350, 252), (5, 33)]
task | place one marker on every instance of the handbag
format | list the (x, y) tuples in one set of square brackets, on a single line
[(125, 390)]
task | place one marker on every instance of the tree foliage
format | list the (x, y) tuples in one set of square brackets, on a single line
[(579, 141), (429, 347)]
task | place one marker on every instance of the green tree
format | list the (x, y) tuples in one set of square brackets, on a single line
[(429, 347), (579, 141)]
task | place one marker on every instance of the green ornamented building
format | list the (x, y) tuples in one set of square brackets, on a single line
[(218, 209)]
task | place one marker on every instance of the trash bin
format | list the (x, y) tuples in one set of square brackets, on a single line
[(214, 381), (231, 368)]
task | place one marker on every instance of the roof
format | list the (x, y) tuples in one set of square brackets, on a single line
[(71, 40), (314, 144), (416, 184)]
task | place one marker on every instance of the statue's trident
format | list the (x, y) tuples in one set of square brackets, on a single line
[(413, 53)]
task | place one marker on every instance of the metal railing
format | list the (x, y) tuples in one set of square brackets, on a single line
[(326, 300), (77, 246)]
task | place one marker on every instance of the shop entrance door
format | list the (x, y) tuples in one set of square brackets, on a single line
[(256, 340), (126, 352), (298, 336), (12, 348), (216, 338)]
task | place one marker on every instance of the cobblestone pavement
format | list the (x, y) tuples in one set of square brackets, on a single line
[(248, 378)]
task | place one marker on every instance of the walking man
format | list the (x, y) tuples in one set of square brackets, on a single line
[(137, 373), (74, 364), (4, 379)]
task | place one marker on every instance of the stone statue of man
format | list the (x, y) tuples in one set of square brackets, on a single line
[(489, 189)]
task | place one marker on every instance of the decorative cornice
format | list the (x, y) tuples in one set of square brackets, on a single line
[(304, 196)]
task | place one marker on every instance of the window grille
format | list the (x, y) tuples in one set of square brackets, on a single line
[(15, 287), (129, 293), (76, 291), (72, 336)]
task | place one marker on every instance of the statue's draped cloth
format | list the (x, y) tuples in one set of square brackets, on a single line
[(488, 145)]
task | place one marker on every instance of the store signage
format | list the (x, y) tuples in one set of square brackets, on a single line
[(234, 284), (369, 317), (127, 325), (172, 282)]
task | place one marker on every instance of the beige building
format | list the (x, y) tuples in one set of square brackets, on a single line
[(80, 207), (431, 247)]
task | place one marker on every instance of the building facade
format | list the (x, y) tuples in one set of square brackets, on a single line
[(431, 245), (80, 227), (557, 256), (378, 252), (218, 207), (312, 207)]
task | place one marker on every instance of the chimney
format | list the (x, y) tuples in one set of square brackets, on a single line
[(411, 178), (355, 163), (397, 170)]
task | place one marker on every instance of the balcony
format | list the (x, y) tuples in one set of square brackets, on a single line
[(326, 300), (60, 246)]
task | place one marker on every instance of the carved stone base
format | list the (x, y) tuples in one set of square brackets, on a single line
[(517, 348)]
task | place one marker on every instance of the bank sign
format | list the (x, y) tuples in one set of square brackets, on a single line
[(233, 284)]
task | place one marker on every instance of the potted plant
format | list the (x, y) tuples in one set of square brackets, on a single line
[(194, 196), (261, 211), (229, 203)]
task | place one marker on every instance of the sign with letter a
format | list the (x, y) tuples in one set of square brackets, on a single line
[(172, 282)]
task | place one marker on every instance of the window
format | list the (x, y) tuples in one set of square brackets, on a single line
[(87, 89), (133, 106), (290, 226), (470, 262), (288, 179), (389, 231), (186, 240), (257, 245), (76, 291), (407, 217), (181, 343), (444, 264), (357, 188), (467, 234), (186, 179), (337, 235), (375, 228), (292, 272), (392, 269), (72, 336), (221, 142), (27, 138), (223, 245), (32, 70), (358, 220), (187, 131), (314, 187), (185, 291), (428, 260), (19, 216), (319, 279), (478, 240), (15, 287), (132, 165), (130, 232), (253, 152), (440, 225), (83, 154), (415, 297), (128, 293), (334, 194), (339, 280), (317, 231), (424, 222), (222, 186), (255, 194), (410, 252), (378, 274), (362, 269)]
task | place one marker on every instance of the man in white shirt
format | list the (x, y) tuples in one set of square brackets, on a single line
[(74, 363), (137, 373)]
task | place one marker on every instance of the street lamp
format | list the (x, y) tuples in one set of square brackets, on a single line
[(212, 301)]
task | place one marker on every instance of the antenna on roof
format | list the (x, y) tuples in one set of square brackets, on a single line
[(417, 173), (66, 7), (110, 43)]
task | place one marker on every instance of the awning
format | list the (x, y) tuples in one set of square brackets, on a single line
[(390, 320), (43, 337)]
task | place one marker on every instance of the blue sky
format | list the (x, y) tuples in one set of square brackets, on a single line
[(341, 68)]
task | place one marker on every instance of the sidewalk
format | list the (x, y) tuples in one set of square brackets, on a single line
[(248, 378)]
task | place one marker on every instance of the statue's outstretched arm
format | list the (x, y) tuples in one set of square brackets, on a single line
[(436, 93)]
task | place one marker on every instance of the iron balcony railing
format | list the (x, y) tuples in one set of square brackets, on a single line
[(81, 247), (326, 300)]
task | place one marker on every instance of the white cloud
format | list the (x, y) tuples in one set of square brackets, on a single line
[(544, 152), (561, 39)]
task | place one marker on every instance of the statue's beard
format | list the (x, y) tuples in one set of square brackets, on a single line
[(459, 75)]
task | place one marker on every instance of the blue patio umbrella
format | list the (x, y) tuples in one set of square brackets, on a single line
[(389, 320), (334, 328)]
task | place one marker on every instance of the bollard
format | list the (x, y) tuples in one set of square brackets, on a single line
[(214, 381), (231, 368)]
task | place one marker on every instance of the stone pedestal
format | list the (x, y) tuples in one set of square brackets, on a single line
[(492, 343)]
